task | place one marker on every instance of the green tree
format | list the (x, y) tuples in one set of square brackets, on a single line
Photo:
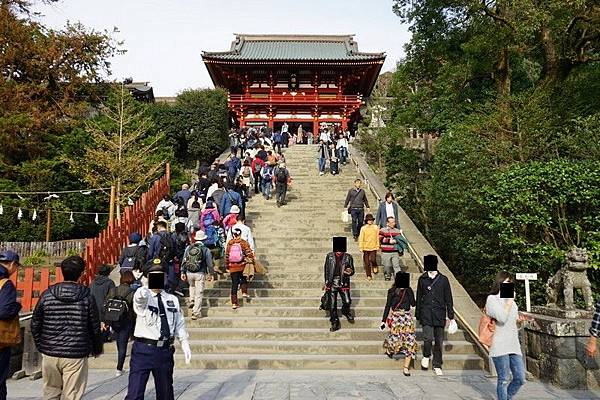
[(122, 150)]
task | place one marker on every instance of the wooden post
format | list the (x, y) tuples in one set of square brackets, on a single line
[(49, 224), (111, 207)]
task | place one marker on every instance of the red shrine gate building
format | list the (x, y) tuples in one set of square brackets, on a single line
[(298, 79)]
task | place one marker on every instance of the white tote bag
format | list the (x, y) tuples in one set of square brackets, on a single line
[(345, 216)]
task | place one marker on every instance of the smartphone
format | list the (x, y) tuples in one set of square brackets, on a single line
[(507, 290), (156, 280)]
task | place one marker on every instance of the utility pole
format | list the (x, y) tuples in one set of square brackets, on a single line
[(48, 224)]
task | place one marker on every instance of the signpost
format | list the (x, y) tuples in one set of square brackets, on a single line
[(527, 277)]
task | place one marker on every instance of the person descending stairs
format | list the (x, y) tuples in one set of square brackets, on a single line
[(280, 326)]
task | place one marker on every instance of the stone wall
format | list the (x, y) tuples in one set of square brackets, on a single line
[(556, 352)]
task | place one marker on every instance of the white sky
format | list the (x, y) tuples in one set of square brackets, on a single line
[(164, 39)]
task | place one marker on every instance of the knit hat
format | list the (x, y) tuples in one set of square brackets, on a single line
[(234, 209), (135, 237)]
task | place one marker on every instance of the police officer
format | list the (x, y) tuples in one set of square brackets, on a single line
[(159, 321)]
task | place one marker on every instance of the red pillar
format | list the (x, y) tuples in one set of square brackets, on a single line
[(271, 123), (315, 131), (344, 123)]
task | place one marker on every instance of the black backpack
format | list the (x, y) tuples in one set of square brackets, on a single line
[(166, 252), (131, 258), (116, 311), (281, 176)]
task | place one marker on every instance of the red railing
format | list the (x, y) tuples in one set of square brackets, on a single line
[(298, 98), (104, 249)]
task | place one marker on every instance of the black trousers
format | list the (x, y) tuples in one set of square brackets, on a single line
[(346, 302), (433, 334), (257, 180), (237, 280)]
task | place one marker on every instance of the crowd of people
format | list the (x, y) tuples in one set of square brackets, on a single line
[(200, 234)]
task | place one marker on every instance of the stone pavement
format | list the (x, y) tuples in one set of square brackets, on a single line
[(309, 385)]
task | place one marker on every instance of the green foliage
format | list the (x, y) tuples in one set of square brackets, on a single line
[(514, 94), (197, 123)]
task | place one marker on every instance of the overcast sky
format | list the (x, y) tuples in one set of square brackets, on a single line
[(165, 38)]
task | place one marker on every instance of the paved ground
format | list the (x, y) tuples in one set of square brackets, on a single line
[(309, 385)]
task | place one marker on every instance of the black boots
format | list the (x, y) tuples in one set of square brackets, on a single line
[(335, 326)]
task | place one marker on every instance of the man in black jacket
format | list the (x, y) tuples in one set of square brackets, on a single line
[(66, 330), (434, 303), (338, 268)]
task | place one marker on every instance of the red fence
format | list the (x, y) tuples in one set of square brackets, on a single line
[(104, 249)]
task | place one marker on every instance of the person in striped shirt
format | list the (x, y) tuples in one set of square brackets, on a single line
[(594, 332)]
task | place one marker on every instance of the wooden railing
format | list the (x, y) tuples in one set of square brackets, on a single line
[(104, 249), (60, 248)]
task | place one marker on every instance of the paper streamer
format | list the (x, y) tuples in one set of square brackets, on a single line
[(20, 214), (34, 216), (96, 220), (71, 218)]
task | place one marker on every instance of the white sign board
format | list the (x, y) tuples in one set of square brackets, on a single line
[(527, 277)]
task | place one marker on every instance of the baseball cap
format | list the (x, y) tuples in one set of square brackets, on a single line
[(9, 256)]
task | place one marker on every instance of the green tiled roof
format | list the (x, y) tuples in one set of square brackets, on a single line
[(294, 47)]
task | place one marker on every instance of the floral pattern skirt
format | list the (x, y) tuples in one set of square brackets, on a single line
[(401, 339)]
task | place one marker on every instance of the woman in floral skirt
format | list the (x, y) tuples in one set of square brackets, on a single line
[(397, 317)]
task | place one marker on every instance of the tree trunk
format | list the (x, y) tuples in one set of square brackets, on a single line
[(551, 70), (503, 81)]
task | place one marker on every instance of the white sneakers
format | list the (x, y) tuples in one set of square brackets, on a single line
[(321, 173), (119, 373), (425, 366)]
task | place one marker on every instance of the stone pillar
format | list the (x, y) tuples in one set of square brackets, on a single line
[(556, 341)]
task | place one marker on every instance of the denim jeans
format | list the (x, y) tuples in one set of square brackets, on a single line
[(321, 165), (343, 154), (358, 216), (266, 189), (506, 364), (122, 337)]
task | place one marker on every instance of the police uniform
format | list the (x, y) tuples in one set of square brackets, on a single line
[(159, 321)]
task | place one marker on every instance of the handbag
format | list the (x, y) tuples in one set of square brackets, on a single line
[(325, 302), (487, 328), (249, 269), (388, 320), (10, 329), (345, 216)]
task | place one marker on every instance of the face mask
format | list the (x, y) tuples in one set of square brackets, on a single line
[(137, 274), (432, 274)]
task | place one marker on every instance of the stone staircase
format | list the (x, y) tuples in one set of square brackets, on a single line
[(281, 327)]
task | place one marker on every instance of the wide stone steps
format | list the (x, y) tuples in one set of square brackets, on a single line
[(316, 292), (307, 284), (281, 326), (298, 361), (325, 347), (289, 301), (304, 334)]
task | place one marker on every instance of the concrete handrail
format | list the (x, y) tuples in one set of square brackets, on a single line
[(467, 313)]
